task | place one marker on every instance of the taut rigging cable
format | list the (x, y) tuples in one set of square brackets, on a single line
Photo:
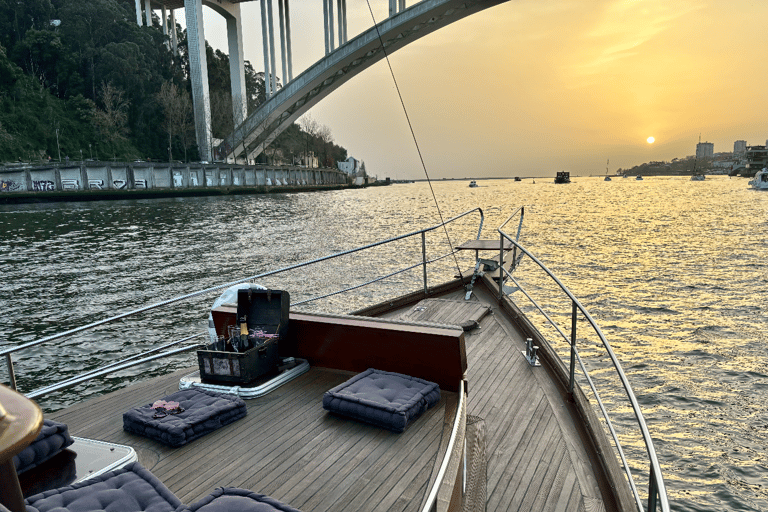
[(415, 141)]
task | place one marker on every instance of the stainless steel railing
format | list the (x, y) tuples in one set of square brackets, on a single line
[(154, 355), (657, 495)]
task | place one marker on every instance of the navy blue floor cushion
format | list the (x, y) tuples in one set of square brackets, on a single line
[(129, 489), (53, 438), (386, 399), (200, 412), (232, 499)]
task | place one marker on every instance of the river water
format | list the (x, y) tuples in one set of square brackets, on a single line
[(673, 271)]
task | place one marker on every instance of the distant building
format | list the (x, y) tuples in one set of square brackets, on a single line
[(757, 158), (350, 166), (309, 160), (739, 147), (705, 150)]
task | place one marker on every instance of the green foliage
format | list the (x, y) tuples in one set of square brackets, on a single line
[(56, 57)]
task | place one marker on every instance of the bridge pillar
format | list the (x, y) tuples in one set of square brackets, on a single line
[(148, 12), (272, 63), (265, 47), (138, 12), (237, 64), (198, 64), (329, 22), (174, 37), (165, 24), (288, 41)]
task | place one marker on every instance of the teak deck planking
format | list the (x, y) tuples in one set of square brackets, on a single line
[(291, 449)]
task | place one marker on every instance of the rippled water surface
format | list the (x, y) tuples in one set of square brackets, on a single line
[(673, 271)]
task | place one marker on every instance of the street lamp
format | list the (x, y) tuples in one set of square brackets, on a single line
[(57, 144)]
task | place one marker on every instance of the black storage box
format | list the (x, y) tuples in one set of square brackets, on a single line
[(262, 310)]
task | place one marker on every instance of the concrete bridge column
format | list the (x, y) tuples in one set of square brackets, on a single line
[(272, 63), (285, 40), (237, 64), (288, 41), (198, 64), (265, 46), (330, 25), (326, 31), (341, 11), (174, 37), (138, 12), (148, 12)]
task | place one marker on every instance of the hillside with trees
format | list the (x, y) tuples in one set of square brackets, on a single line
[(80, 79)]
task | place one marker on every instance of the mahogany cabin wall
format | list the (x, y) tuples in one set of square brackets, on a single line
[(354, 344)]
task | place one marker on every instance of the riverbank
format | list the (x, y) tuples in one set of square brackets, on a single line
[(99, 181)]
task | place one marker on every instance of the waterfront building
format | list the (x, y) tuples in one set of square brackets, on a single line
[(350, 166), (739, 147), (705, 150)]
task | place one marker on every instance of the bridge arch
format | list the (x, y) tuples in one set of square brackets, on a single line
[(336, 68)]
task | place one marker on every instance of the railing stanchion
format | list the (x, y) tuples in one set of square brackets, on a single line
[(424, 258), (574, 310), (501, 267), (652, 491), (11, 374)]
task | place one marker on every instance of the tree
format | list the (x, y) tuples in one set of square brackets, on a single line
[(112, 118), (177, 110)]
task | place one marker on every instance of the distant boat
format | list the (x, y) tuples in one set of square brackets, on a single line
[(517, 178), (563, 177), (760, 181), (638, 178), (607, 164), (473, 183)]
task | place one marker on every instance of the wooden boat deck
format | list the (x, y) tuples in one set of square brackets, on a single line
[(288, 447), (536, 460)]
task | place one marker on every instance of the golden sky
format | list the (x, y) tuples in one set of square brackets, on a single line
[(531, 87)]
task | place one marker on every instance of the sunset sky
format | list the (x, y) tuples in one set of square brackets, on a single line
[(531, 87)]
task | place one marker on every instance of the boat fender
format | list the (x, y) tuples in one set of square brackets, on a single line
[(228, 297)]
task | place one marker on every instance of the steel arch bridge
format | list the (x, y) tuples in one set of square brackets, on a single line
[(280, 110)]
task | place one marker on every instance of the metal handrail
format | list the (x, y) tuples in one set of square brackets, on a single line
[(656, 481), (431, 503), (8, 351)]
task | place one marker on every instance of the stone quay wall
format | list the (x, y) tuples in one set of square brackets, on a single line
[(146, 176)]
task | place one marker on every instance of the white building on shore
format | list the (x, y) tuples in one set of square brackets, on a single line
[(350, 166)]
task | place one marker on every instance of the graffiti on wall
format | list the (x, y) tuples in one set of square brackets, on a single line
[(119, 184), (9, 186), (70, 184), (43, 186), (96, 184)]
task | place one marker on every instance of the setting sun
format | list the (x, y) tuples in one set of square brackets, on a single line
[(651, 140)]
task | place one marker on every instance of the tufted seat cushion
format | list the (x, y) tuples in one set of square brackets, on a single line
[(386, 399), (53, 438), (204, 412), (232, 499), (129, 489)]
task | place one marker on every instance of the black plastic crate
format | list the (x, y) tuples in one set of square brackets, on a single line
[(238, 367), (265, 313)]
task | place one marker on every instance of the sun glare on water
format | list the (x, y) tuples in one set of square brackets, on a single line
[(650, 140)]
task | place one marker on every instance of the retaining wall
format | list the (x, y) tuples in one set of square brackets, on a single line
[(108, 176)]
